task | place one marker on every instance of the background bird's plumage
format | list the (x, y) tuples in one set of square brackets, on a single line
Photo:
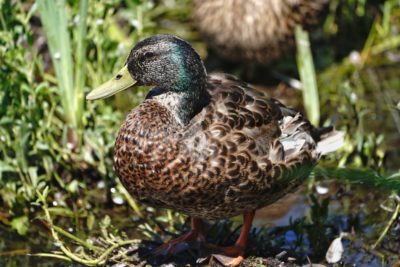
[(253, 30)]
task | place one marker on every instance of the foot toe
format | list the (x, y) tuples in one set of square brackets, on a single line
[(228, 261)]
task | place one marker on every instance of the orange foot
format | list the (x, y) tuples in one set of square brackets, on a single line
[(228, 256), (232, 256), (229, 261), (181, 243)]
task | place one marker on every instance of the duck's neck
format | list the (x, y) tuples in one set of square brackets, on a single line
[(181, 88), (183, 105)]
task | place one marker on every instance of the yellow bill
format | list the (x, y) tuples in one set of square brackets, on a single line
[(121, 81)]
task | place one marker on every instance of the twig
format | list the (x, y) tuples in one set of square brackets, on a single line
[(14, 252), (76, 239), (70, 256), (374, 251), (132, 203), (387, 227), (162, 229), (50, 255)]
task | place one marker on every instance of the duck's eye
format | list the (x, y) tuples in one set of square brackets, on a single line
[(148, 54)]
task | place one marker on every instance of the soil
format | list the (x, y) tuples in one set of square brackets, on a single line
[(138, 254)]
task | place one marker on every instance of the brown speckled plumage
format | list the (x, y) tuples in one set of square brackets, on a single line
[(253, 30), (228, 160)]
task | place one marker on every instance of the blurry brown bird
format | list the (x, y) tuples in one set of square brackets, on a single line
[(210, 146), (253, 30)]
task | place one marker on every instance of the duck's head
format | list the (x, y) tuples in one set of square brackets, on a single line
[(163, 61), (171, 66)]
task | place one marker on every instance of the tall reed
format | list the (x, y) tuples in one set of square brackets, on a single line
[(68, 59), (306, 70)]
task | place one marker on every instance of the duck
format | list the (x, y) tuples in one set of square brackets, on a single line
[(207, 145), (254, 31)]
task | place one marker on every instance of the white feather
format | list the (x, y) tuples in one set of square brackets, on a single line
[(332, 142)]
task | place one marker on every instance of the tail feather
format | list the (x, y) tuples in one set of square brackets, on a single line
[(330, 142), (299, 134)]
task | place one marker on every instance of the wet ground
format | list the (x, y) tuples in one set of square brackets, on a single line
[(303, 224)]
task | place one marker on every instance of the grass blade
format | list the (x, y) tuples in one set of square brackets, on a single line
[(54, 19), (80, 59), (364, 177), (307, 75)]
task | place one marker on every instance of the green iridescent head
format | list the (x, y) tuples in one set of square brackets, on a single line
[(163, 61)]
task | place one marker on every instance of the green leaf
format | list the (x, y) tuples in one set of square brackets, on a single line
[(90, 221), (21, 224), (73, 186)]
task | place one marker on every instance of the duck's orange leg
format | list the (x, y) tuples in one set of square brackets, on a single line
[(233, 255), (177, 245)]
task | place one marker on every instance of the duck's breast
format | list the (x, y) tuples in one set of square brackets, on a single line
[(145, 146)]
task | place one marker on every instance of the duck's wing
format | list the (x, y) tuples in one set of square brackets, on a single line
[(245, 121), (254, 148)]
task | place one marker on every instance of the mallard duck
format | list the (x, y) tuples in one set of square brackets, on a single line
[(253, 30), (209, 146)]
